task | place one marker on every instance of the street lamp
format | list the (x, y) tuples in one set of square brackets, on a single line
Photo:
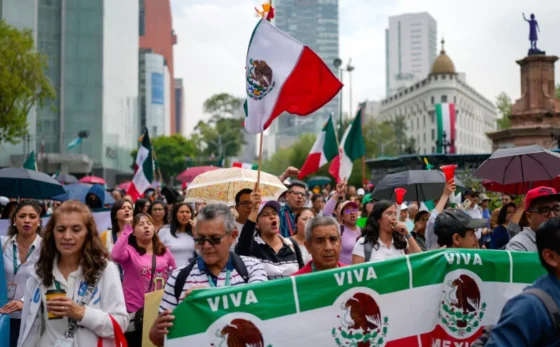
[(444, 144), (350, 68), (337, 64)]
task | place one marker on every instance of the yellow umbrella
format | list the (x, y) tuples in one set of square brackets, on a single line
[(220, 186)]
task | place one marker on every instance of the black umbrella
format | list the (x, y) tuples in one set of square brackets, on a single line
[(27, 184), (520, 165), (66, 179), (420, 185)]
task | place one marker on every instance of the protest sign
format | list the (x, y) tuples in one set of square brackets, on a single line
[(438, 298)]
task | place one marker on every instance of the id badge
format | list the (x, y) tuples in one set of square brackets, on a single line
[(64, 342), (12, 290)]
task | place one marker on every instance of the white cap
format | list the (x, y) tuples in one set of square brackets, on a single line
[(4, 200), (361, 192), (404, 206)]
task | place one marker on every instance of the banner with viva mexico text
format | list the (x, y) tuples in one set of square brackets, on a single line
[(439, 298)]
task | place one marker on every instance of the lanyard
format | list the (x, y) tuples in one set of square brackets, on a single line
[(313, 269), (57, 285), (212, 282), (16, 267), (289, 220)]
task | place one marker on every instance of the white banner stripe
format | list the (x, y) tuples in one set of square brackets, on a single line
[(296, 299)]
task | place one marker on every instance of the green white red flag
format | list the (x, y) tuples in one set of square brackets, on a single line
[(248, 166), (436, 299), (352, 147), (323, 151), (144, 174), (283, 75), (445, 117)]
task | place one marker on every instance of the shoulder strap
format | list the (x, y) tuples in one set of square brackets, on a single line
[(299, 256), (182, 278), (6, 243), (550, 305), (368, 248), (153, 272), (239, 265), (341, 229)]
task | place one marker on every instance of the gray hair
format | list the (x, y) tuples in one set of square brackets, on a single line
[(214, 211), (321, 221)]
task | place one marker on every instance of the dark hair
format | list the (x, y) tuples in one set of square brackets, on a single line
[(503, 213), (12, 230), (548, 237), (120, 191), (511, 196), (139, 206), (316, 196), (93, 256), (164, 205), (371, 231), (242, 192), (158, 247), (7, 208), (297, 184), (115, 228), (445, 235), (175, 221), (419, 215)]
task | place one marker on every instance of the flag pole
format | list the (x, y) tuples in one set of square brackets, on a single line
[(364, 175), (260, 161)]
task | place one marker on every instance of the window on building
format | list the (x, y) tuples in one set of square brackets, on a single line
[(433, 134), (424, 138), (444, 98), (424, 121), (417, 123), (433, 100), (433, 149), (454, 99), (142, 19)]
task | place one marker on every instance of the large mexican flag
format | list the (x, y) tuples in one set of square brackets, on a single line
[(283, 75), (445, 116), (439, 298)]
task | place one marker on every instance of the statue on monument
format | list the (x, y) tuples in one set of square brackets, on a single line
[(533, 35)]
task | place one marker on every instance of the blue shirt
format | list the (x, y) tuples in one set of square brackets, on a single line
[(202, 267), (525, 320), (500, 237), (487, 215), (287, 221)]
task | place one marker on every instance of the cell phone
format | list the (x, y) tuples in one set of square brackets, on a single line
[(467, 204)]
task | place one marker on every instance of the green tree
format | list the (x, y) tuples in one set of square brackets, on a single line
[(291, 156), (503, 103), (23, 83), (222, 135), (558, 91), (171, 152)]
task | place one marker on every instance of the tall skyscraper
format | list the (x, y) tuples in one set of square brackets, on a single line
[(315, 24), (157, 35), (410, 49), (179, 104)]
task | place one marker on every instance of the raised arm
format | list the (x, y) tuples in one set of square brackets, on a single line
[(120, 252), (245, 242), (331, 204), (525, 18)]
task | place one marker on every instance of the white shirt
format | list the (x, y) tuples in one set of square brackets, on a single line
[(476, 213), (379, 252), (24, 270), (181, 247)]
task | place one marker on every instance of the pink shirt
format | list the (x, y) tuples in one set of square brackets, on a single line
[(138, 270)]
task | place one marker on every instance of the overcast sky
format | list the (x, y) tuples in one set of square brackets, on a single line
[(483, 38)]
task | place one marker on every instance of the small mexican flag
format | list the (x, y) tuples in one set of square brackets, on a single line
[(30, 162), (352, 147), (283, 75), (245, 165), (445, 116), (324, 150), (144, 175)]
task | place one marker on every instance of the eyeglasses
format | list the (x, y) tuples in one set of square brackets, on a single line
[(212, 240), (157, 210), (545, 210), (300, 194), (354, 210), (244, 203)]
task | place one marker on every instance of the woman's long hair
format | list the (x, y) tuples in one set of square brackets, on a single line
[(503, 212), (93, 257), (115, 228), (7, 211), (139, 206), (175, 221), (164, 205), (371, 231), (12, 229), (158, 247)]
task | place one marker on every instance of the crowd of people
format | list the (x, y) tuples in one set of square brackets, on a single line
[(67, 282)]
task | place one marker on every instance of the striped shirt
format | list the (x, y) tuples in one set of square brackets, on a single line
[(200, 276)]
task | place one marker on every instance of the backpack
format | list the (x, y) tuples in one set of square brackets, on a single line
[(548, 302), (297, 251), (181, 278)]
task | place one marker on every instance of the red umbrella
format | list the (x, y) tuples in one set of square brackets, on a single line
[(519, 188), (124, 186), (92, 180), (189, 174)]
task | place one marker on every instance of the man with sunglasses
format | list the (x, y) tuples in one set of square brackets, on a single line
[(542, 204), (215, 266), (296, 197)]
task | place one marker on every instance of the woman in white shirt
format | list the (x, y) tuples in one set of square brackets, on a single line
[(75, 298), (178, 236), (387, 237), (21, 252)]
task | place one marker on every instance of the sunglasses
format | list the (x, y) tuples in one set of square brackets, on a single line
[(545, 210), (212, 240), (349, 211)]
